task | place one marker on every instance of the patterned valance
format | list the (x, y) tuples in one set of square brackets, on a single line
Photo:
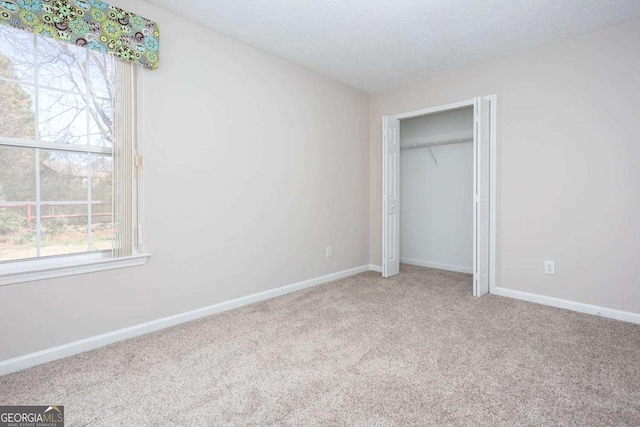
[(90, 23)]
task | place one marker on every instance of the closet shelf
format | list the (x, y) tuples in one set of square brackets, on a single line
[(434, 144)]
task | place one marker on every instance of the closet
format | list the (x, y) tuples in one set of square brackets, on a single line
[(437, 190)]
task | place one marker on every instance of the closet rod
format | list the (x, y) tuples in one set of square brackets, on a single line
[(433, 144)]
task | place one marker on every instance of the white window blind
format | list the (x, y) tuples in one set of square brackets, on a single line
[(127, 164)]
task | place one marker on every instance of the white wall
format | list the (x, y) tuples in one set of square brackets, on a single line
[(436, 201), (568, 156), (253, 165)]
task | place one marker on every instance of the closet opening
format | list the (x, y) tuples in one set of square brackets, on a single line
[(436, 186), (439, 190)]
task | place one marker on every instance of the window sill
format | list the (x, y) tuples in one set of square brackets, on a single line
[(31, 270)]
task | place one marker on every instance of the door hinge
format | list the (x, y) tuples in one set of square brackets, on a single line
[(476, 198), (137, 158)]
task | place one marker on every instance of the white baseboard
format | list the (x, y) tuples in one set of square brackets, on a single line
[(376, 268), (419, 263), (610, 313), (33, 359)]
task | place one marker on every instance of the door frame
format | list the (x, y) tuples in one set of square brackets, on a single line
[(493, 99)]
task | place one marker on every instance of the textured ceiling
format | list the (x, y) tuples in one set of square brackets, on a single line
[(380, 44)]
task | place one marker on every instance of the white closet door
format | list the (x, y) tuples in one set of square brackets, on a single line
[(391, 197), (482, 177)]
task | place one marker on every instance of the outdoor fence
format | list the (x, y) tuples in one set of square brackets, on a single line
[(31, 209)]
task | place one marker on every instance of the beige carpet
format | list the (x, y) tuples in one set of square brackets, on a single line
[(417, 349)]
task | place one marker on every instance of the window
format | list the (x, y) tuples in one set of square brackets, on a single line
[(65, 114)]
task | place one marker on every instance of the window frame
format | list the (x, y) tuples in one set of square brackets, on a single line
[(45, 267)]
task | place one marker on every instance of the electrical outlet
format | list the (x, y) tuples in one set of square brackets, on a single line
[(329, 251), (549, 267)]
